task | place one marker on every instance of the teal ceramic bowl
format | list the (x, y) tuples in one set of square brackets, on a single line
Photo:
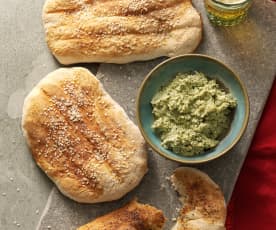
[(212, 68)]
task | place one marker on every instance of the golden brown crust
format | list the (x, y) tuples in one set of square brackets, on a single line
[(120, 31), (203, 202), (133, 216), (81, 138)]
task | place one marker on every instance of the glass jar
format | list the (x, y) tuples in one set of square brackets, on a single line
[(227, 12)]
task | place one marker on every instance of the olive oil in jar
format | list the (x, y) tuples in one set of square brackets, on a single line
[(227, 12)]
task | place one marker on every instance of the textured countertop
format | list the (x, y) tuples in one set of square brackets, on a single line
[(28, 200)]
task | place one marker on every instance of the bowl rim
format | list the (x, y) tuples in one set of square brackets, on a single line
[(234, 142)]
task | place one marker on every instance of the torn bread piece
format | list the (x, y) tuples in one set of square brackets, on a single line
[(204, 206), (81, 138), (120, 31), (133, 216)]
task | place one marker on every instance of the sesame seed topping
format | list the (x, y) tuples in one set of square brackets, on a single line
[(74, 114), (76, 135)]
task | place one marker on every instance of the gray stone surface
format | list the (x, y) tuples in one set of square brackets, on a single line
[(28, 198), (24, 60)]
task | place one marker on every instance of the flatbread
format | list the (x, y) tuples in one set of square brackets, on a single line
[(81, 138), (204, 206), (133, 216), (120, 31)]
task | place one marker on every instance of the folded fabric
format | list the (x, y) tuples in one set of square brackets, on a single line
[(253, 203)]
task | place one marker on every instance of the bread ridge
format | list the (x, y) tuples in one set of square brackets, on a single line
[(203, 202), (120, 31), (97, 172), (132, 216)]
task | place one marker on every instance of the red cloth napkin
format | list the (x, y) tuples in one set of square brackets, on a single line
[(253, 203)]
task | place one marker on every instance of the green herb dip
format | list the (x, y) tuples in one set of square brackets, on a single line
[(192, 114)]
